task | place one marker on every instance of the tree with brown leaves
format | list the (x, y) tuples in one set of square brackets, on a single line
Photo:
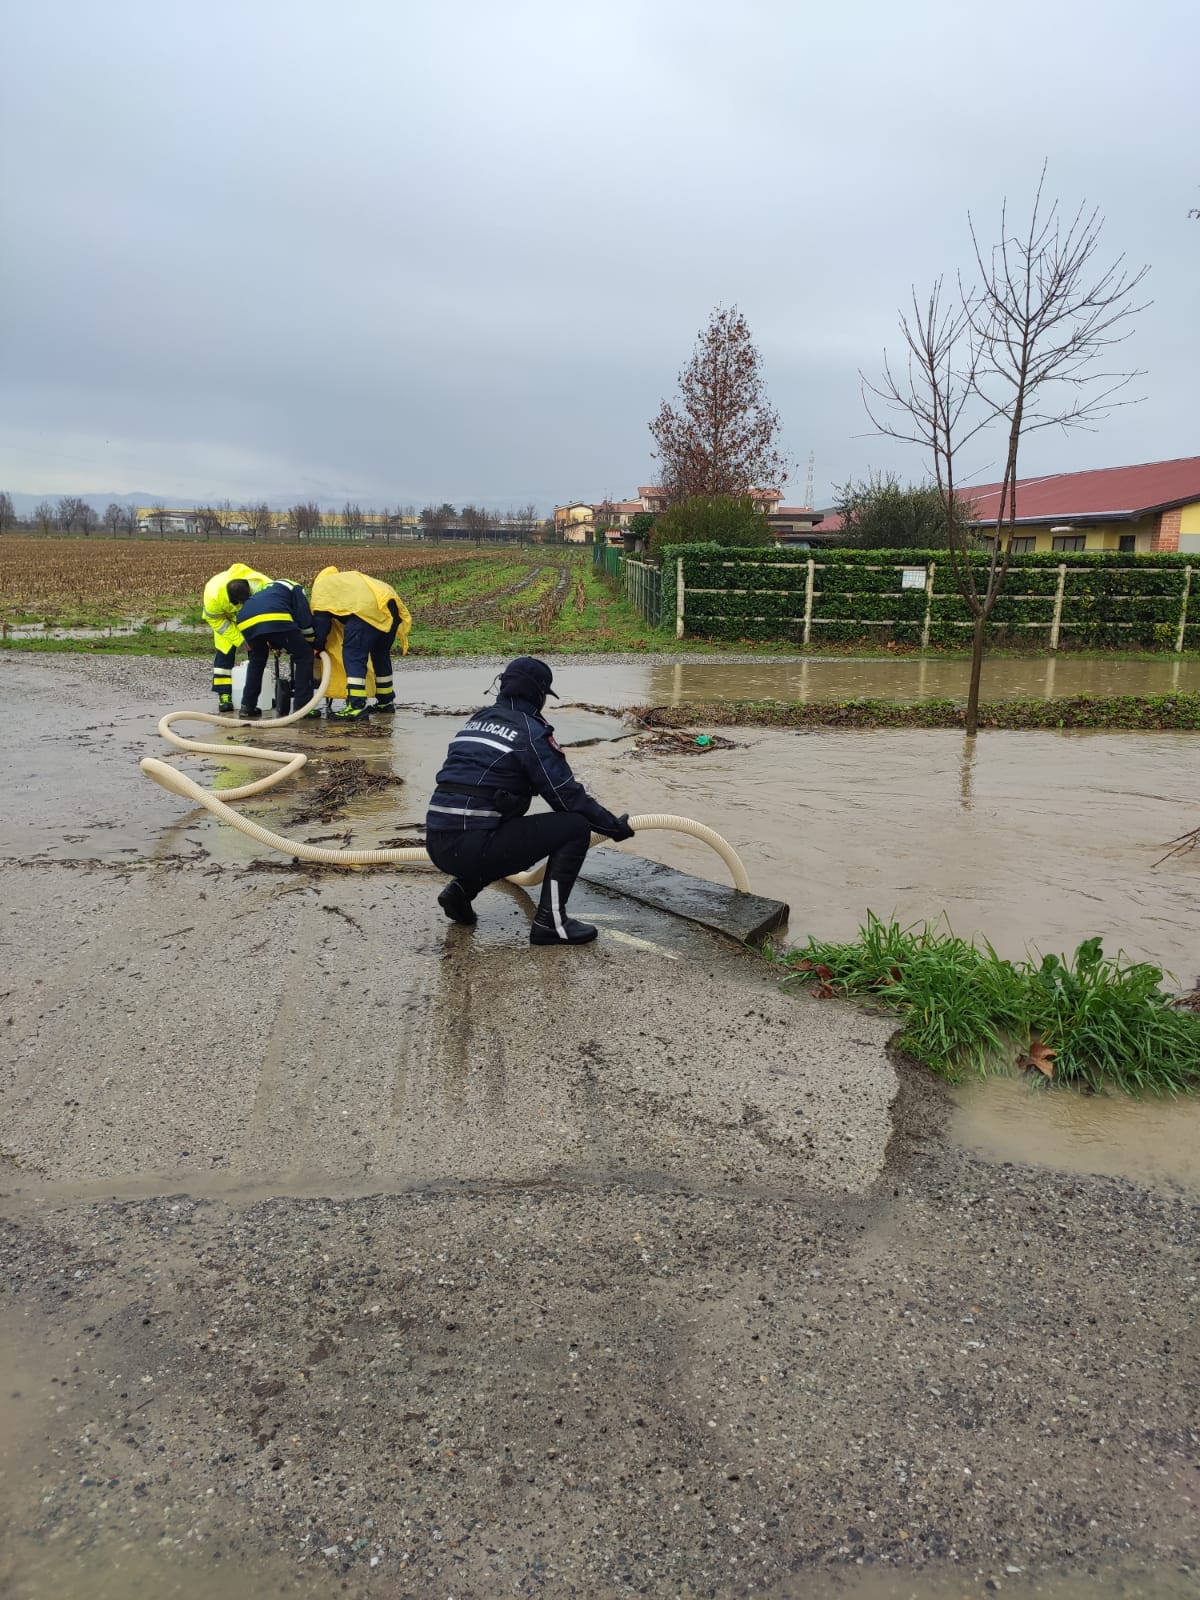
[(722, 438)]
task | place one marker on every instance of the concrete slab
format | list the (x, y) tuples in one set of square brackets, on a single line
[(746, 918)]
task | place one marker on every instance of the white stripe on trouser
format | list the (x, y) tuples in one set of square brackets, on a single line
[(356, 683), (556, 909)]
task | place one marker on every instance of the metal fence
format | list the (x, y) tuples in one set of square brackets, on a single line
[(643, 589)]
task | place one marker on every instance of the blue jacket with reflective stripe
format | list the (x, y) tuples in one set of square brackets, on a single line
[(275, 609), (508, 749)]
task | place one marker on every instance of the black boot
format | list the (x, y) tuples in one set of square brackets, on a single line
[(249, 713), (456, 903), (551, 924), (565, 931)]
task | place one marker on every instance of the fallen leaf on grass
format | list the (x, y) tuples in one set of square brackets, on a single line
[(1038, 1058), (822, 971)]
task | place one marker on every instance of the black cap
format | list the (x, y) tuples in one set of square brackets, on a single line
[(524, 673)]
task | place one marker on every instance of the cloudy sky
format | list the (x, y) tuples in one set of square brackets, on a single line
[(402, 252)]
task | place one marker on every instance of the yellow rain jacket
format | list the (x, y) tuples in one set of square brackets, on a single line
[(354, 594), (219, 610)]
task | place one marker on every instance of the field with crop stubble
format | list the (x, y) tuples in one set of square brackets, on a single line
[(464, 601)]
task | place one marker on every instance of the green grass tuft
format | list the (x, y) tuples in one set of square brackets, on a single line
[(1100, 1021)]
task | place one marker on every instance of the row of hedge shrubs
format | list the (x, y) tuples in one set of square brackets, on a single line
[(1109, 600)]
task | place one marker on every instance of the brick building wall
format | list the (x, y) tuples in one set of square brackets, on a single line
[(1167, 537)]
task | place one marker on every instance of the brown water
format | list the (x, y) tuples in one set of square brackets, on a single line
[(1154, 1141), (812, 678), (1032, 840)]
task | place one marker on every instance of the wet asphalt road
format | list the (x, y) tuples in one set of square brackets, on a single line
[(344, 1251)]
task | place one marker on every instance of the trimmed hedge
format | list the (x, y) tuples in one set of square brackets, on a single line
[(1110, 600)]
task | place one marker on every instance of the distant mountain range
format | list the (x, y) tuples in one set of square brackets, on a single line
[(24, 504)]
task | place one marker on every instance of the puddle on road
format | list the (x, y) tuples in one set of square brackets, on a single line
[(107, 1568), (1154, 1141), (54, 1552), (1006, 1579), (49, 1555)]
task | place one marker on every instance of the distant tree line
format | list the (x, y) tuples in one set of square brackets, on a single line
[(71, 514)]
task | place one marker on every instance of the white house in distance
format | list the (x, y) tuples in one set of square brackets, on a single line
[(577, 521)]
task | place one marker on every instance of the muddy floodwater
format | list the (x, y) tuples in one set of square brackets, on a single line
[(1153, 1140), (810, 678)]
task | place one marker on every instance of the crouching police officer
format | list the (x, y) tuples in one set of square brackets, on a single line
[(476, 828), (277, 617)]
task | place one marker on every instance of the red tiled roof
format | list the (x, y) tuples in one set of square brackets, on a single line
[(1110, 492)]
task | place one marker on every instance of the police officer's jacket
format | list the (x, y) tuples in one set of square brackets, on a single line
[(275, 609), (495, 765)]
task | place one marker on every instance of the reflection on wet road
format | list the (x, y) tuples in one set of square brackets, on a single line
[(811, 678)]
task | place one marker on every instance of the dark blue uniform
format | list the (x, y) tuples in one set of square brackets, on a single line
[(476, 828), (495, 765), (278, 617)]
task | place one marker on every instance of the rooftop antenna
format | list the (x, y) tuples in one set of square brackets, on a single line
[(808, 487)]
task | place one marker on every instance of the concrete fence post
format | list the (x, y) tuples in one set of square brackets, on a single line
[(1183, 609), (679, 597), (808, 599), (1056, 625), (929, 576)]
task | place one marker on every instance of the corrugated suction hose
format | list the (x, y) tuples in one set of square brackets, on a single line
[(288, 762)]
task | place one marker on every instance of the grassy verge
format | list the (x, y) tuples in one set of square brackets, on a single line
[(1170, 712), (1089, 1020)]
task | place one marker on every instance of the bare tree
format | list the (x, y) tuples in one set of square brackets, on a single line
[(7, 515), (524, 520), (476, 520), (436, 519), (352, 518), (75, 513), (130, 522), (43, 515), (306, 518), (159, 517), (207, 520), (724, 438), (1022, 349), (114, 516), (257, 517)]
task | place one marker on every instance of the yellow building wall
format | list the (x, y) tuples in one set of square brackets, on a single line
[(1104, 538), (1189, 518)]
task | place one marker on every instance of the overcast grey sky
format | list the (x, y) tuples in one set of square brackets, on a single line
[(402, 252)]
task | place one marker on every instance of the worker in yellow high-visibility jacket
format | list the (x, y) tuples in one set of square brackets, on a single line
[(221, 615), (358, 619)]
